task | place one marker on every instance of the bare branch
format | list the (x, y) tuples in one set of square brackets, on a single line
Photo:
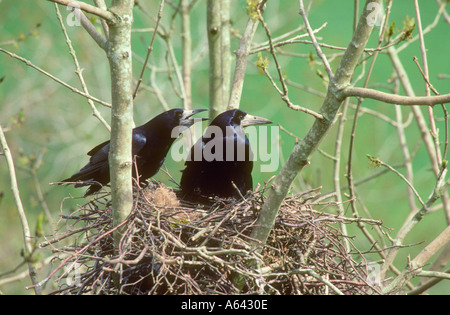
[(102, 13), (73, 89), (20, 210), (314, 41), (78, 71), (396, 99), (241, 59), (149, 48)]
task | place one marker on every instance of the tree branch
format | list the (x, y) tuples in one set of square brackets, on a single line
[(219, 57), (78, 70), (73, 89), (414, 267), (396, 99), (20, 210), (241, 59), (102, 13)]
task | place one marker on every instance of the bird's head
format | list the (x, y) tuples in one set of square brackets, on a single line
[(237, 117), (184, 117), (179, 117)]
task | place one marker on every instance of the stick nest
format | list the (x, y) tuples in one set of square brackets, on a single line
[(168, 246)]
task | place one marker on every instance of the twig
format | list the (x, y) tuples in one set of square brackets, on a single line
[(149, 48), (395, 99), (102, 13), (381, 163), (90, 28), (314, 41), (414, 267), (284, 92), (241, 59), (73, 89), (78, 70), (21, 212)]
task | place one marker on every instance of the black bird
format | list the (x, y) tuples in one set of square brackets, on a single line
[(221, 158), (150, 144)]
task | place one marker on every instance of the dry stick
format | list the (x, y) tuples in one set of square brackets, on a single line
[(435, 136), (149, 48), (20, 210), (426, 30), (285, 98), (78, 70), (77, 253), (73, 89), (378, 161)]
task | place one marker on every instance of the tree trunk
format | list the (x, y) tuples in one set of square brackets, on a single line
[(118, 51), (218, 27)]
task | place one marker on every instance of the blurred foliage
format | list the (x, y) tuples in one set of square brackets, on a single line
[(44, 117)]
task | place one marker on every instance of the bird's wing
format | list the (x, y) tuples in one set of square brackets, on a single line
[(97, 148), (101, 151), (94, 169), (139, 140)]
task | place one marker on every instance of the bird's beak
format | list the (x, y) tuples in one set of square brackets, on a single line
[(187, 121), (250, 120)]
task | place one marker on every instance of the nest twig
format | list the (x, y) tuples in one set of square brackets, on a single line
[(173, 247)]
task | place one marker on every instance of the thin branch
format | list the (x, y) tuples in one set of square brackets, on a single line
[(314, 41), (102, 13), (149, 48), (396, 99), (381, 163), (242, 58), (414, 267), (78, 70), (102, 5), (73, 89), (90, 28), (20, 210)]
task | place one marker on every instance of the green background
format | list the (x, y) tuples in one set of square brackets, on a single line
[(60, 124)]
